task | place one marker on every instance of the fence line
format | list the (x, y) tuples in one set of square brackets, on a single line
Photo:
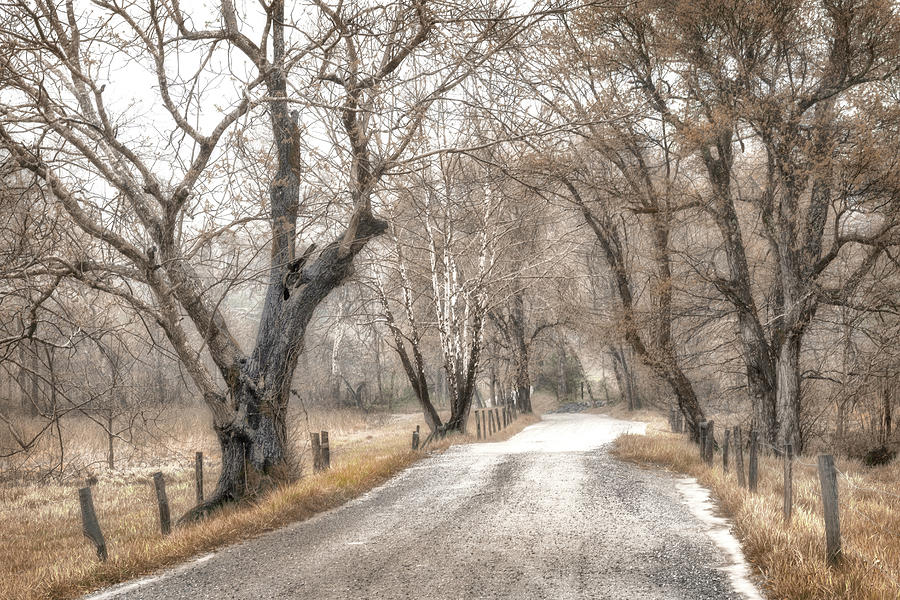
[(828, 474), (494, 419), (91, 525)]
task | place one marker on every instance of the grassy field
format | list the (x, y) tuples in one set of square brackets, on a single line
[(44, 555), (790, 558)]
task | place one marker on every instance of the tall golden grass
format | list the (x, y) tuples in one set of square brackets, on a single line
[(790, 557)]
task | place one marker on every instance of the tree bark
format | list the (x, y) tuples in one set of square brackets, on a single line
[(789, 392)]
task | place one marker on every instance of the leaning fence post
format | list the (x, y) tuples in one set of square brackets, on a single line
[(89, 524), (415, 439), (725, 444), (788, 482), (828, 481), (753, 475), (316, 451), (739, 456), (162, 501), (326, 451), (198, 476)]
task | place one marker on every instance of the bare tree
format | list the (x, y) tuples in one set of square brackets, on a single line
[(362, 67)]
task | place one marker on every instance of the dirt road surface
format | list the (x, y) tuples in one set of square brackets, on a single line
[(546, 514)]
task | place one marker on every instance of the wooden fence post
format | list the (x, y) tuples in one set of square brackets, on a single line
[(326, 451), (477, 424), (828, 481), (165, 524), (788, 481), (316, 451), (499, 425), (89, 524), (710, 442), (415, 439), (198, 476), (725, 445), (672, 420), (702, 440), (739, 456), (753, 475)]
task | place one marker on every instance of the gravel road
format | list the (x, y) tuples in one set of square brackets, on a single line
[(546, 514)]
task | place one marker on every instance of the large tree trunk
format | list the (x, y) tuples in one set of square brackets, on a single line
[(789, 392), (252, 432), (761, 379)]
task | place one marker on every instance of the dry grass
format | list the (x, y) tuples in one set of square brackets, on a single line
[(791, 558), (43, 553)]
